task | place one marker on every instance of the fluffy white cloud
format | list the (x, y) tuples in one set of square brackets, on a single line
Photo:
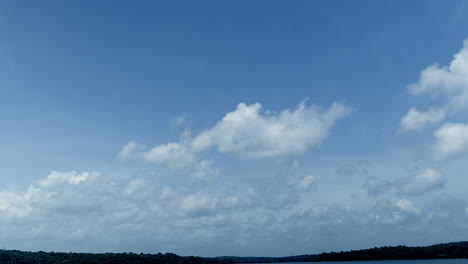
[(415, 120), (130, 150), (56, 192), (423, 182), (375, 186), (450, 81), (256, 134), (246, 131), (198, 204), (174, 155), (19, 205), (72, 178), (451, 141), (408, 207)]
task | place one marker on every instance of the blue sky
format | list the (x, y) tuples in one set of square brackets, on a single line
[(232, 127)]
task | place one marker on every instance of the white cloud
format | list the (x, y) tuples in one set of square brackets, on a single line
[(423, 182), (450, 81), (451, 141), (375, 186), (415, 120), (61, 191), (307, 182), (198, 204), (254, 134), (174, 155), (402, 214), (98, 214), (246, 131), (130, 150), (19, 205), (72, 178), (408, 207), (138, 188)]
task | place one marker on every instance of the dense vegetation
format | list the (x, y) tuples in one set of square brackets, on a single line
[(21, 257), (440, 251)]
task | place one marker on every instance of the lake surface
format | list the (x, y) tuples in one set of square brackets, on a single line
[(422, 261)]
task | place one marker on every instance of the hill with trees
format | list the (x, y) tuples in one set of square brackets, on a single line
[(439, 251), (22, 257)]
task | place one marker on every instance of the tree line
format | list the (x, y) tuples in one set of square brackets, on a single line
[(440, 251), (23, 257)]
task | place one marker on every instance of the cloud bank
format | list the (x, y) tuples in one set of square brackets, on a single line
[(89, 211)]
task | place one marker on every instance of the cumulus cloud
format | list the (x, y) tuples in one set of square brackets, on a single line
[(56, 191), (415, 120), (198, 204), (131, 150), (408, 207), (175, 155), (375, 186), (94, 213), (19, 205), (450, 81), (84, 208), (247, 131), (72, 178), (451, 141), (255, 134), (403, 212), (428, 180)]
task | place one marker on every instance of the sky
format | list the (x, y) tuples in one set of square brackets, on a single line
[(249, 128)]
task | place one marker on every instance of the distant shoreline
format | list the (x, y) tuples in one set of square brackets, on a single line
[(454, 250)]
